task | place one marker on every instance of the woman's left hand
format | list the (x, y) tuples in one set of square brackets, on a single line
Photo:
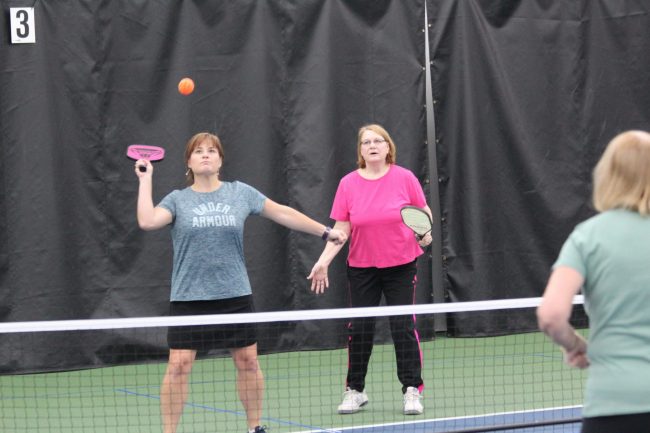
[(577, 356), (338, 237), (425, 241)]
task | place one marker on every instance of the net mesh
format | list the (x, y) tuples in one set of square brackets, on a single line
[(471, 383)]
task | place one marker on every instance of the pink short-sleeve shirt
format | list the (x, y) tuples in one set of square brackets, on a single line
[(379, 238)]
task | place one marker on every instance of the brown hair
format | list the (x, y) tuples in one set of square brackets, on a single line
[(378, 129), (193, 143), (622, 176)]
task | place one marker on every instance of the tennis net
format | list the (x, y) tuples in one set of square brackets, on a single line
[(471, 384)]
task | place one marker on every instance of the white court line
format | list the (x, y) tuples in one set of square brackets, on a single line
[(439, 420)]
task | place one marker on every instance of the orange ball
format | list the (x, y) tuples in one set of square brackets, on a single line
[(186, 86)]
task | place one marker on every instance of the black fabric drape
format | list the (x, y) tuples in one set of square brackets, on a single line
[(285, 84), (527, 96)]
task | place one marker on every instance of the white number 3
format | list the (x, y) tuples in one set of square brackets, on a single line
[(23, 28)]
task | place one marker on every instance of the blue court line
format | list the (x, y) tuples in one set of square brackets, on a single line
[(425, 426), (237, 413), (419, 426)]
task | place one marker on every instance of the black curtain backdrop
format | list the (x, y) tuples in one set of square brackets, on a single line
[(285, 84), (527, 94)]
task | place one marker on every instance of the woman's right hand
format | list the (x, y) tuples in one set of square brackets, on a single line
[(143, 163), (318, 277)]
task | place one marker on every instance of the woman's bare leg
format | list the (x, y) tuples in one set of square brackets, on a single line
[(250, 383), (175, 387)]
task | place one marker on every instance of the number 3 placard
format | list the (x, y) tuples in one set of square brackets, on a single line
[(23, 28)]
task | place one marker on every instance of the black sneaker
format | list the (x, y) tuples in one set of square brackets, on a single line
[(260, 429)]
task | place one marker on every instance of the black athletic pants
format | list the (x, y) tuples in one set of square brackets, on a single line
[(397, 284), (633, 423)]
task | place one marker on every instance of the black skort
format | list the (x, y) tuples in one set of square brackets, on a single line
[(207, 337)]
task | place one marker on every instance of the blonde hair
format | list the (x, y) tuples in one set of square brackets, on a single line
[(193, 143), (377, 129), (622, 176)]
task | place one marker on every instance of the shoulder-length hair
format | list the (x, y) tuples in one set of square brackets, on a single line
[(377, 129), (622, 176), (193, 143)]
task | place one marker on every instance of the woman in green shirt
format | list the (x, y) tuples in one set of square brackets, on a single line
[(608, 256)]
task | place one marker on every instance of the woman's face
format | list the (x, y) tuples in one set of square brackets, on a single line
[(374, 148), (205, 159)]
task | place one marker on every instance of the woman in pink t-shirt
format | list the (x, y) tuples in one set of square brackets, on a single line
[(381, 260)]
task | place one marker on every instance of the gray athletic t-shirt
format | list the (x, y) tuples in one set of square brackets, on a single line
[(208, 238)]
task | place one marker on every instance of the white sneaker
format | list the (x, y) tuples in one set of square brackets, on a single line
[(412, 405), (353, 400)]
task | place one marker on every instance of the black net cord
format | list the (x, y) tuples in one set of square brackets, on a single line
[(517, 426)]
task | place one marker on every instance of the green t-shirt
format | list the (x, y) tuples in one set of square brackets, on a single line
[(612, 252)]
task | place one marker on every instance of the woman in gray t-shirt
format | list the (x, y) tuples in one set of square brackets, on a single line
[(209, 280)]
